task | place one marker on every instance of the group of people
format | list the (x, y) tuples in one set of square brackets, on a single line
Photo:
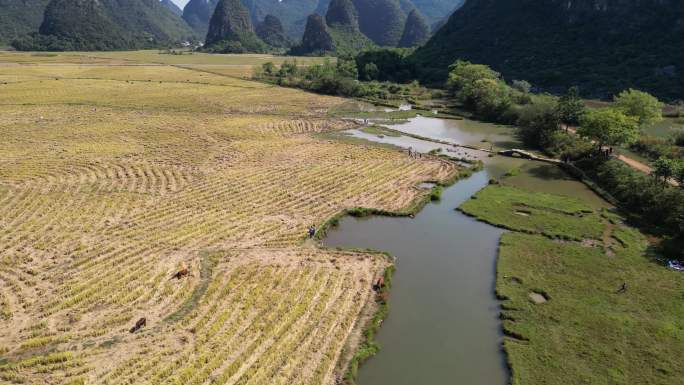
[(565, 158), (607, 152)]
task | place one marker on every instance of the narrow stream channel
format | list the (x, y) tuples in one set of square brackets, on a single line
[(443, 326)]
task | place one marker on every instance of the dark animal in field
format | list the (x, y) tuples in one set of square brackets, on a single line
[(379, 284), (623, 288), (181, 273), (138, 325)]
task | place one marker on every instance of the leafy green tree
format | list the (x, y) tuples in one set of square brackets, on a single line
[(521, 85), (392, 64), (538, 121), (347, 68), (478, 87), (288, 68), (464, 74), (679, 172), (268, 68), (608, 126), (570, 107), (679, 108), (370, 71), (647, 108), (491, 98), (664, 168)]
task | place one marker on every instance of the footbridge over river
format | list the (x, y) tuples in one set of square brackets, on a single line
[(517, 153)]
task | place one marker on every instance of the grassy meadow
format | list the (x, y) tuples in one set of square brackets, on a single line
[(560, 273), (118, 173)]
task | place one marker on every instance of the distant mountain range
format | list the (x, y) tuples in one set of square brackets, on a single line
[(603, 46), (132, 24), (347, 28), (294, 13), (350, 26)]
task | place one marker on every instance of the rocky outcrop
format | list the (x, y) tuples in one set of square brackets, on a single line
[(416, 30), (271, 32), (197, 14), (316, 36), (342, 13), (231, 30), (381, 20), (230, 18)]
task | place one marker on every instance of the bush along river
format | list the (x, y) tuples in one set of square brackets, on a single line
[(443, 326)]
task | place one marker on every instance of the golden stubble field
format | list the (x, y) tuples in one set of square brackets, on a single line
[(114, 177)]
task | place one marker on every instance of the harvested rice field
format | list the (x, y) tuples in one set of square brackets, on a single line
[(153, 226)]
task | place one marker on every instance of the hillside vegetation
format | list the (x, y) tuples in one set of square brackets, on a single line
[(197, 14), (381, 20), (172, 7), (337, 33), (603, 47), (19, 17), (416, 30), (231, 30), (72, 25), (272, 33), (436, 10)]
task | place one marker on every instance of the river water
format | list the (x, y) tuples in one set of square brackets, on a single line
[(443, 326)]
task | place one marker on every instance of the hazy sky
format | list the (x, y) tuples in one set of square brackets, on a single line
[(181, 3)]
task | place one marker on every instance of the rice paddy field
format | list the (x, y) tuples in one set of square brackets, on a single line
[(133, 190), (233, 65)]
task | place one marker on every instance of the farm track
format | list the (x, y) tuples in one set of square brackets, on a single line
[(110, 186)]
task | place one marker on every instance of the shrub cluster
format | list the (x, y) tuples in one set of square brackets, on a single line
[(654, 147), (639, 194), (386, 64), (339, 78)]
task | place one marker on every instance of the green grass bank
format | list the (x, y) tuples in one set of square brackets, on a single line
[(560, 274)]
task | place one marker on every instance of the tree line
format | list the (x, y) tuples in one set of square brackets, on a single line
[(564, 127)]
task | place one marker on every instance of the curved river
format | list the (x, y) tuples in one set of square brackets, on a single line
[(443, 326)]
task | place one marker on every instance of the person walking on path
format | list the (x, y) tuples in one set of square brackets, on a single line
[(312, 231)]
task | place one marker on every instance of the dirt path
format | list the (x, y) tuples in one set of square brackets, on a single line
[(633, 163)]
